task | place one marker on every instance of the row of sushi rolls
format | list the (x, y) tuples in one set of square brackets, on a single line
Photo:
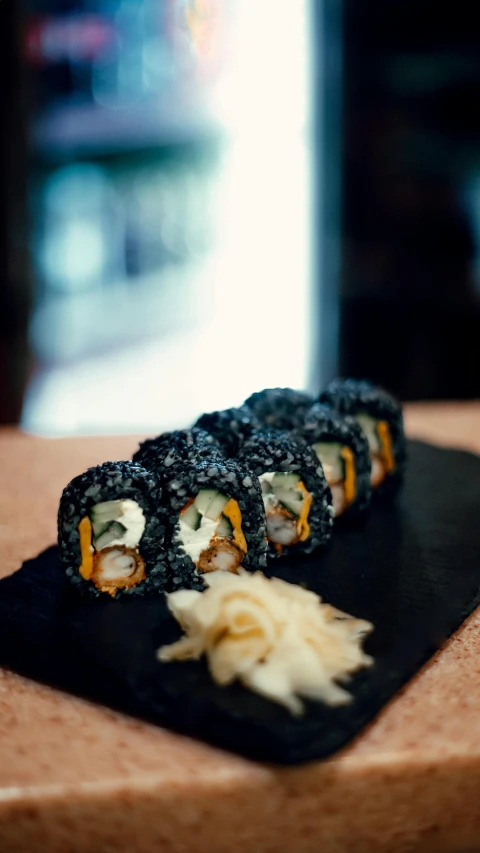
[(204, 508)]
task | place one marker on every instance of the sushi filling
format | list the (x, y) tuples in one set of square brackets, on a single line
[(210, 531), (338, 463), (287, 505), (109, 540), (117, 568), (380, 444)]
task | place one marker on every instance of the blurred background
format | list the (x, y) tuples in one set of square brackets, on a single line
[(201, 198)]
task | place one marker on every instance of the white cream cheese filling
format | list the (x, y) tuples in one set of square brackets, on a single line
[(194, 542), (269, 498), (130, 515)]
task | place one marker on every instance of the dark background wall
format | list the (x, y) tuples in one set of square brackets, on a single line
[(14, 276), (411, 196)]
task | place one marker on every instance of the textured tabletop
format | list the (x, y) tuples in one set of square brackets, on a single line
[(78, 777)]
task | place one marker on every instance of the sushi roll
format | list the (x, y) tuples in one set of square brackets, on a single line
[(230, 427), (380, 417), (280, 408), (163, 454), (111, 531), (216, 521), (296, 496), (341, 446)]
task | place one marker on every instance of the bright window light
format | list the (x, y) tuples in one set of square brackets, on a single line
[(250, 300)]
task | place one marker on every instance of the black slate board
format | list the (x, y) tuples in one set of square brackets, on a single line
[(413, 569)]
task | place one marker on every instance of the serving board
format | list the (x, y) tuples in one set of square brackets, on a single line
[(412, 568)]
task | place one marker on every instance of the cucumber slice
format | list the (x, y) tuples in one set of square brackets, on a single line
[(224, 527), (291, 500), (107, 511), (328, 450), (192, 517), (330, 455), (210, 503), (100, 527), (114, 531), (369, 426), (216, 506), (282, 481), (204, 497)]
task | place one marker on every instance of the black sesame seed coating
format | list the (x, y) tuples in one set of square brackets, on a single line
[(230, 427), (163, 454), (323, 424), (108, 482), (275, 450), (353, 396), (232, 479), (280, 408)]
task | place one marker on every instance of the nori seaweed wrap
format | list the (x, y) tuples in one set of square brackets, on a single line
[(296, 496), (380, 416), (215, 521), (280, 408), (163, 454), (230, 427), (342, 448), (111, 530)]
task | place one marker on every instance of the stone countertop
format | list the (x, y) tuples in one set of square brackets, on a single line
[(78, 777)]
